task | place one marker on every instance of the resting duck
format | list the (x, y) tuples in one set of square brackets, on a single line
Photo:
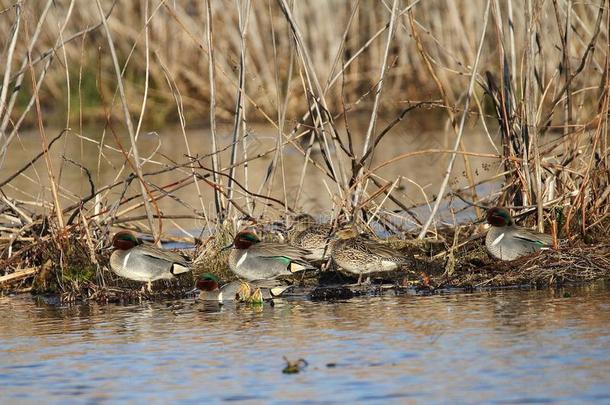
[(358, 255), (306, 233), (252, 259), (133, 260), (507, 241)]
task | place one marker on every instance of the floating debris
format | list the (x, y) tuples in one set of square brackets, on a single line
[(294, 367)]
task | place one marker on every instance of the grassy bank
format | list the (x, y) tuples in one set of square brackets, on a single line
[(532, 76)]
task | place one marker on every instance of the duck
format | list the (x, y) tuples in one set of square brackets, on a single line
[(256, 292), (253, 291), (135, 261), (267, 231), (359, 255), (251, 259), (306, 233), (507, 241)]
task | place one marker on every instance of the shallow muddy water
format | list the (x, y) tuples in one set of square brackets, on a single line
[(418, 176), (510, 346)]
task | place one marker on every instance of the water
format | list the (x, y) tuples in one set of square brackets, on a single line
[(419, 176), (505, 346)]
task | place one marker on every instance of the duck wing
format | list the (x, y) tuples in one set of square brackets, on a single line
[(280, 250), (269, 288), (376, 248), (162, 254), (318, 233), (321, 229), (272, 283), (539, 239)]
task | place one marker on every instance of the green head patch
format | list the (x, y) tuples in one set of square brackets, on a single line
[(498, 216), (125, 240), (208, 282), (245, 239)]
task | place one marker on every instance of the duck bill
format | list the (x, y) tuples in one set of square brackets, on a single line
[(229, 246), (480, 221)]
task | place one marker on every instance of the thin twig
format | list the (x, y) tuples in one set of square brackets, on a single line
[(219, 203), (132, 135), (443, 187)]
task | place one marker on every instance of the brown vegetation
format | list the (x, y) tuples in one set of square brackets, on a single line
[(520, 71)]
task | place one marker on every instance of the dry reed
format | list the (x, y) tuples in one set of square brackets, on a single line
[(306, 69)]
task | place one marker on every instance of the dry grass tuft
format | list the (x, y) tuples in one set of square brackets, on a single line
[(569, 264)]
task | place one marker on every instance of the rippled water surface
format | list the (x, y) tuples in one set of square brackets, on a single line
[(503, 346)]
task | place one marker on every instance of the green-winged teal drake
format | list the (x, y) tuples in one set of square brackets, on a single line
[(358, 255), (258, 290), (252, 259), (507, 241), (133, 260), (306, 233)]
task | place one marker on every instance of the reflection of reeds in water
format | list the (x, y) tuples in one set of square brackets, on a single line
[(305, 68)]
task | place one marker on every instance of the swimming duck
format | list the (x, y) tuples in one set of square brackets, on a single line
[(252, 259), (136, 261), (507, 241), (238, 290), (359, 255), (306, 233)]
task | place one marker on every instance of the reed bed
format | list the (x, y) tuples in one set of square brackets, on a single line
[(570, 264), (533, 76)]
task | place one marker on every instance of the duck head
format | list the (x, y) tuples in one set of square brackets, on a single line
[(208, 282), (302, 222), (277, 229), (125, 240), (499, 217), (345, 233), (245, 239)]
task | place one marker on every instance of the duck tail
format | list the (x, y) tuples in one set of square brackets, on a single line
[(277, 291), (179, 269), (296, 267)]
